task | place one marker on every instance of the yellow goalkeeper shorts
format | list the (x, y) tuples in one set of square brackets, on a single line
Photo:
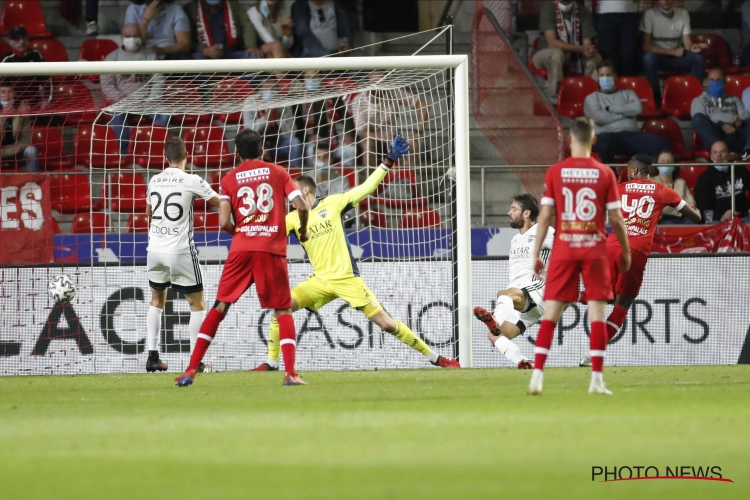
[(314, 293)]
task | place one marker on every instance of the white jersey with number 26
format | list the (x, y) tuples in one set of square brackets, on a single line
[(521, 258), (171, 195)]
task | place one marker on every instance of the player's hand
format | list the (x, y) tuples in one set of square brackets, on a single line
[(728, 128), (399, 147), (304, 236), (539, 267), (624, 262)]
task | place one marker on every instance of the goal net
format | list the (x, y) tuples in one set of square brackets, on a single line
[(331, 119)]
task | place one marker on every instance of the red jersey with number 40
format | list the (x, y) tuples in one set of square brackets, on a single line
[(581, 190), (257, 191), (642, 203)]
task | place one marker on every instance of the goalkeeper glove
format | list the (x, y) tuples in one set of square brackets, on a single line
[(399, 147)]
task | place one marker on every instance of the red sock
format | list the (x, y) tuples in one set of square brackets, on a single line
[(288, 342), (543, 343), (597, 343), (615, 321), (206, 335)]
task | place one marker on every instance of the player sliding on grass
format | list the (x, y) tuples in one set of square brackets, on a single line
[(521, 305), (335, 273), (642, 203), (254, 194)]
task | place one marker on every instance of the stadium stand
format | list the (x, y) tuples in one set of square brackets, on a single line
[(52, 50), (96, 146), (642, 89), (573, 91), (90, 222), (670, 130), (26, 13), (679, 92)]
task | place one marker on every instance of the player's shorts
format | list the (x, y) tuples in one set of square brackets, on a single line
[(562, 279), (181, 272), (628, 284), (534, 310), (314, 293), (269, 273)]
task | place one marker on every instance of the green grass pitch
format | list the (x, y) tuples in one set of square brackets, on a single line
[(360, 435)]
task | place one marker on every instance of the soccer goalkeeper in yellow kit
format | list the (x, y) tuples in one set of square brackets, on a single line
[(335, 273)]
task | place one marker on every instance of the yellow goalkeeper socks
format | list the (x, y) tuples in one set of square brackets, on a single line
[(274, 348), (405, 335)]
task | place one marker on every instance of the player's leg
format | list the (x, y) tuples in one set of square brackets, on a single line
[(512, 299), (627, 287), (596, 279), (288, 344), (197, 316), (274, 349), (153, 328)]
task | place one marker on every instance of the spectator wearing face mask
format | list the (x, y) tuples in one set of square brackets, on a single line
[(34, 91), (164, 27), (273, 23), (15, 130), (614, 113), (669, 176), (220, 29), (329, 181), (347, 151), (717, 116), (713, 190)]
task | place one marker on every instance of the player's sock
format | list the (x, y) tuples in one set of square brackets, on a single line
[(153, 326), (288, 342), (597, 342), (503, 309), (196, 320), (205, 337), (432, 356), (614, 321), (543, 343), (509, 349), (405, 335), (273, 343)]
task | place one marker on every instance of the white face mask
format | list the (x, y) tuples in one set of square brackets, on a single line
[(131, 43), (319, 164), (566, 8), (213, 2), (264, 9), (5, 104)]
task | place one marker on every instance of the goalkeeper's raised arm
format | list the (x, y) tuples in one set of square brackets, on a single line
[(399, 147)]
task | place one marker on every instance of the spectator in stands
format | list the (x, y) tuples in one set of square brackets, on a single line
[(717, 116), (165, 29), (567, 33), (34, 91), (745, 10), (16, 130), (320, 28), (346, 153), (667, 44), (617, 27), (117, 87), (220, 29), (92, 17), (273, 23), (713, 190), (669, 176), (329, 180), (614, 113)]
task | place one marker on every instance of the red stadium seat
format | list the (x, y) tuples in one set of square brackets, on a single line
[(86, 223), (4, 48), (699, 149), (397, 176), (127, 193), (51, 146), (426, 218), (26, 13), (670, 130), (717, 52), (71, 193), (206, 221), (231, 91), (679, 92), (146, 146), (642, 88), (138, 223), (206, 147), (96, 50), (573, 91), (736, 84), (73, 100), (182, 94), (106, 150), (691, 174), (55, 225), (52, 50), (534, 71)]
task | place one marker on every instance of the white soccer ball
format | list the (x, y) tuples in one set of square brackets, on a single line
[(62, 289)]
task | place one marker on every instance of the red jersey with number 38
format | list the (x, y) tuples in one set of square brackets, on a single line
[(581, 190), (642, 203), (257, 191)]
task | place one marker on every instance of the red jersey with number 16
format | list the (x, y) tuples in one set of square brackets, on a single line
[(581, 190), (257, 191), (642, 203)]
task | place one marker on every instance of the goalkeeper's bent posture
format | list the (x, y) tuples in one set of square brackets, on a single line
[(335, 273)]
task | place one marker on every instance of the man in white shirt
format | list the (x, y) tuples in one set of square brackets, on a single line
[(522, 304), (667, 44), (320, 28), (172, 258), (617, 27)]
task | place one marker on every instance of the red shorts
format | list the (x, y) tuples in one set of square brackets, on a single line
[(628, 284), (562, 280), (269, 273)]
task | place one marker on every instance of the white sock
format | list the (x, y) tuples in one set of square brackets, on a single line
[(597, 377), (503, 309), (196, 320), (273, 362), (509, 349), (433, 356), (153, 327)]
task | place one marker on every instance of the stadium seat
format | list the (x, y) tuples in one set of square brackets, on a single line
[(4, 48), (26, 13), (206, 221), (182, 94), (573, 91), (73, 100), (52, 50), (55, 226), (642, 88), (717, 52), (670, 130), (397, 176), (234, 91), (71, 193), (691, 174), (534, 71), (106, 150), (146, 146), (138, 223), (127, 192), (426, 218), (736, 84), (206, 147), (90, 222), (679, 92), (699, 149), (51, 147), (374, 217), (96, 50)]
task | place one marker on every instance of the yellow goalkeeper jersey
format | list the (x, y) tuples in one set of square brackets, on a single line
[(328, 249)]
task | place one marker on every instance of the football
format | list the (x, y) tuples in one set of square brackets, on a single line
[(62, 289)]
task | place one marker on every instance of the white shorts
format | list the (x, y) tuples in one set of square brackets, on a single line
[(534, 292), (179, 271)]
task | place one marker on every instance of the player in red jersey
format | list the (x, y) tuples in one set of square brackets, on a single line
[(642, 203), (578, 193), (254, 194)]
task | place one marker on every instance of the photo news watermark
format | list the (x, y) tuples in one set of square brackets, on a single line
[(608, 474)]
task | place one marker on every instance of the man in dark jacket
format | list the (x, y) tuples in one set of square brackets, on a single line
[(320, 28), (713, 193)]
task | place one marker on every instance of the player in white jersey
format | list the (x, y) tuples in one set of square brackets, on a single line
[(522, 304), (172, 258)]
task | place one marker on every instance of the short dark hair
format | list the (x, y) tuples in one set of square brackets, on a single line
[(528, 202), (643, 162), (605, 63), (249, 144), (582, 130), (174, 150), (17, 32), (306, 180)]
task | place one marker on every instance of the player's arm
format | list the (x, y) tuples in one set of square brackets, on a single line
[(399, 147), (302, 211), (225, 216), (690, 212), (618, 227), (215, 200), (546, 216)]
